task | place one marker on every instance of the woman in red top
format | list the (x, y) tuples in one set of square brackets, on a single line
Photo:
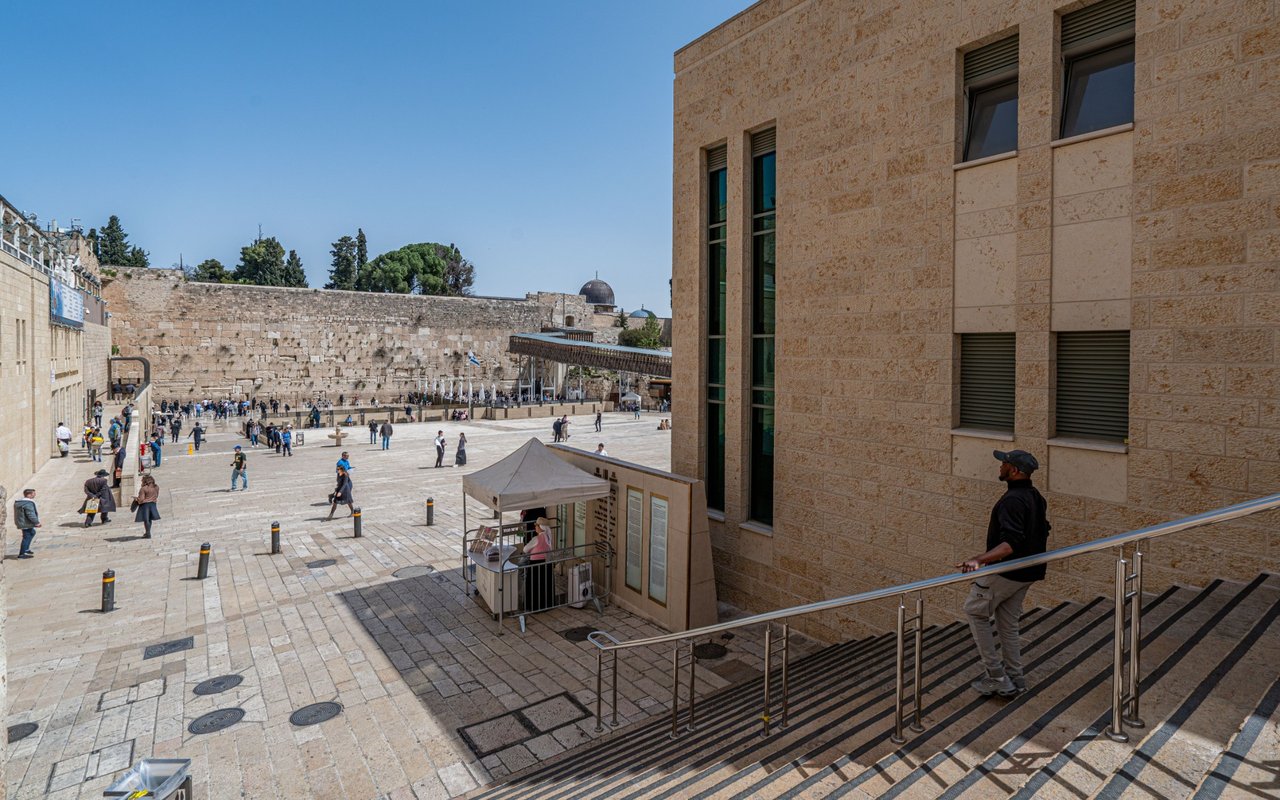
[(539, 576)]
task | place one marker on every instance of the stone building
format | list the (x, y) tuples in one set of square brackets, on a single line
[(907, 234), (54, 340)]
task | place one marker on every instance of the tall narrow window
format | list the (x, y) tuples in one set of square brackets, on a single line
[(763, 295), (1097, 55), (991, 94), (717, 214), (1093, 385), (987, 381)]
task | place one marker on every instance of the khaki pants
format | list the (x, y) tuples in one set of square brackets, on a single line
[(998, 597)]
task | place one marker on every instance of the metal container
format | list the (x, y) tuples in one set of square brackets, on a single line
[(158, 778)]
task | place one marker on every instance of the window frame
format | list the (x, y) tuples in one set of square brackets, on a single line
[(972, 93), (1072, 58)]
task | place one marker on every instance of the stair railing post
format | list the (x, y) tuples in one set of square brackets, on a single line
[(614, 721), (692, 662), (786, 652), (1115, 731), (675, 691), (918, 690), (768, 658), (599, 688), (899, 669), (1135, 641)]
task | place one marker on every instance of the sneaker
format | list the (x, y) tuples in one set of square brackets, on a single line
[(1019, 683), (25, 555), (987, 686)]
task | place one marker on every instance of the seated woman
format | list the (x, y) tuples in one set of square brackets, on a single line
[(539, 577), (348, 421)]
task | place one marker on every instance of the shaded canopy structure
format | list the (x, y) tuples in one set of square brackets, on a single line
[(530, 477)]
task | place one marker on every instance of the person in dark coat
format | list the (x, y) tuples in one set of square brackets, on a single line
[(460, 457), (147, 512), (342, 494), (99, 488)]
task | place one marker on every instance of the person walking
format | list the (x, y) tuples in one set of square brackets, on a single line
[(1018, 527), (342, 494), (344, 462), (197, 433), (255, 430), (385, 432), (175, 428), (95, 444), (97, 413), (26, 518), (373, 432), (636, 408), (460, 457), (63, 434), (98, 498), (440, 443), (557, 429), (564, 428), (286, 441), (145, 504), (599, 420), (239, 469)]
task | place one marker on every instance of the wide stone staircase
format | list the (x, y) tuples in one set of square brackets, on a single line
[(1210, 690)]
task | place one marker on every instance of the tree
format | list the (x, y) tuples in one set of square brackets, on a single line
[(362, 248), (261, 263), (113, 246), (621, 321), (210, 271), (344, 267), (649, 336), (459, 273), (425, 268), (294, 274)]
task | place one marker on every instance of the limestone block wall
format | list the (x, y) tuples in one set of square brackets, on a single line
[(887, 249), (294, 344)]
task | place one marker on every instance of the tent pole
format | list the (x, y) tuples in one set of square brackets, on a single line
[(502, 570), (466, 569)]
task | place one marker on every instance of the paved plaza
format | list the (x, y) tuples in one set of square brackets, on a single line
[(433, 702)]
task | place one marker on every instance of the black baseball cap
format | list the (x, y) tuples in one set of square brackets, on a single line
[(1023, 461)]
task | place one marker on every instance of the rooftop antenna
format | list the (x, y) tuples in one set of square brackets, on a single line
[(259, 231)]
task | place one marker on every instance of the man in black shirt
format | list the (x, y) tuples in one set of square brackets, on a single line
[(1018, 528)]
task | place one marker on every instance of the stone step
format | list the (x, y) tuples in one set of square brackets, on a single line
[(1193, 736), (1248, 763), (669, 767), (1090, 759)]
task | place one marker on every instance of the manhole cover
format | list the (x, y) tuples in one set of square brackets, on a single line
[(19, 732), (324, 562), (415, 571), (216, 720), (218, 684), (709, 650), (579, 634), (315, 713), (165, 648)]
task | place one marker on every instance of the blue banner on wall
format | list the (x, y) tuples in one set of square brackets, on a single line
[(66, 305)]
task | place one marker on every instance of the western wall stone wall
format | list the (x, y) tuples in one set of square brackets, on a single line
[(293, 344)]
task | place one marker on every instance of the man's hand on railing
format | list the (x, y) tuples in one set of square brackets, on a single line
[(998, 553)]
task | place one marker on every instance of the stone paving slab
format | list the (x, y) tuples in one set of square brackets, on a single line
[(412, 660)]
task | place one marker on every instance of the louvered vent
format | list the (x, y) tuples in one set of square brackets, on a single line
[(764, 142), (1093, 385), (717, 158), (990, 61), (1096, 24), (987, 383)]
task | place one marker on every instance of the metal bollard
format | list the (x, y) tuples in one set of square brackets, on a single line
[(275, 538), (431, 511), (202, 571), (108, 591), (191, 449), (356, 521)]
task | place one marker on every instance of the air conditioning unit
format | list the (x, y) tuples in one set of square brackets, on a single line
[(581, 589)]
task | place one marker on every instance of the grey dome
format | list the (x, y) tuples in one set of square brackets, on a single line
[(642, 313), (598, 292)]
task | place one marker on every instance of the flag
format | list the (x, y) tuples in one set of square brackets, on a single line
[(471, 356)]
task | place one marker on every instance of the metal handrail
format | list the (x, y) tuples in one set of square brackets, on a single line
[(1269, 503), (1128, 603)]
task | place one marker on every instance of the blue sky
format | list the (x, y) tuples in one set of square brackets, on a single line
[(535, 136)]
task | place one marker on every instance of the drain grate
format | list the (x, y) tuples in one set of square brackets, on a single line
[(578, 634), (322, 563), (165, 648), (315, 713), (415, 571), (218, 684), (709, 651), (19, 732), (215, 721)]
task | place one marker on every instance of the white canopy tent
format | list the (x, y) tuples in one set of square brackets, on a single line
[(530, 477)]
